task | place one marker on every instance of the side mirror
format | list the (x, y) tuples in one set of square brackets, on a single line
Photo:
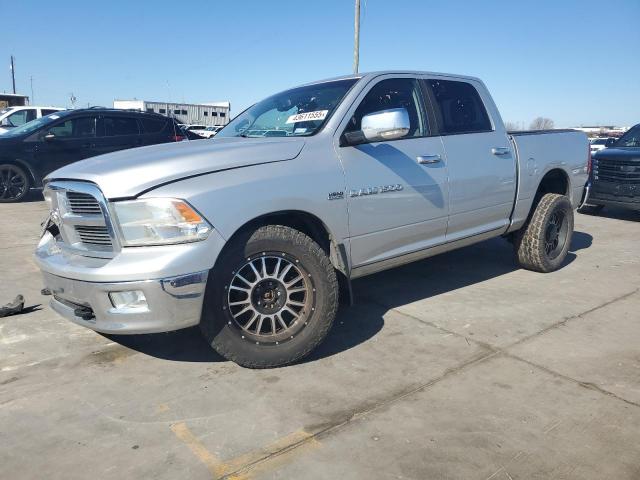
[(609, 142), (6, 123), (386, 125)]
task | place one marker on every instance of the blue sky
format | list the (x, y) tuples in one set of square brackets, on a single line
[(573, 61)]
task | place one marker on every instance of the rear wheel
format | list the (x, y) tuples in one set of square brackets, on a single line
[(14, 183), (271, 299), (542, 245)]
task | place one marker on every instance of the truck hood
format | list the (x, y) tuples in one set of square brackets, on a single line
[(625, 153), (128, 173)]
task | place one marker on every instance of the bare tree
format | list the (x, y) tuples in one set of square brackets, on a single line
[(512, 126), (541, 123)]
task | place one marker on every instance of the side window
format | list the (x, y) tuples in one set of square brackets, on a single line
[(153, 125), (116, 126), (21, 117), (459, 108), (46, 112), (81, 127), (393, 93)]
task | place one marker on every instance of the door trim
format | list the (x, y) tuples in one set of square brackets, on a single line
[(370, 268)]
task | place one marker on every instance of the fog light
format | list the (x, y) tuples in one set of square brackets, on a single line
[(130, 299)]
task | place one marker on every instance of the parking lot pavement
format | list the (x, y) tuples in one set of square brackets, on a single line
[(459, 366)]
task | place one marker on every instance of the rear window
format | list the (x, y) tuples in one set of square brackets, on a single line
[(153, 125), (458, 107), (116, 126)]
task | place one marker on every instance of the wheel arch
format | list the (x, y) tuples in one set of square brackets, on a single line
[(307, 223), (555, 180)]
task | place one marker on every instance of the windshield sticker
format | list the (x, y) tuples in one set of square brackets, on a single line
[(308, 116), (300, 130)]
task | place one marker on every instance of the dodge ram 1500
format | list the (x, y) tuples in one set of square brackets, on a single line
[(250, 235)]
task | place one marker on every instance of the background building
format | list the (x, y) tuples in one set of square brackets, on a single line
[(215, 113), (13, 100), (602, 130)]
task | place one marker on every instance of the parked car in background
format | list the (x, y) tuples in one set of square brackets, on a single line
[(197, 129), (12, 117), (249, 235), (596, 144), (615, 174), (29, 152), (210, 131)]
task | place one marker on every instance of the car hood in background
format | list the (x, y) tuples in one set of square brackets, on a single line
[(626, 153), (128, 173)]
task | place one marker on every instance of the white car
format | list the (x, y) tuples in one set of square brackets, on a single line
[(596, 144), (210, 131), (11, 117), (196, 128)]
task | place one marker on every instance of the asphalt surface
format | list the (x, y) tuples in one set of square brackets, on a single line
[(457, 367)]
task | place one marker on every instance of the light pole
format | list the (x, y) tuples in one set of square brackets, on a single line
[(356, 38), (13, 75)]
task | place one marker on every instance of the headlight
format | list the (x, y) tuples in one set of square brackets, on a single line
[(159, 221)]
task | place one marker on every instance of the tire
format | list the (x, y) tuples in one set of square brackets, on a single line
[(253, 314), (542, 244), (14, 183)]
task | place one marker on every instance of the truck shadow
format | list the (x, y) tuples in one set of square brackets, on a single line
[(375, 295), (615, 214)]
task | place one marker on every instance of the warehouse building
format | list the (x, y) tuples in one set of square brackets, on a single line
[(215, 113)]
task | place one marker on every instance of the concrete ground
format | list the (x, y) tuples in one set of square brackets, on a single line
[(457, 367)]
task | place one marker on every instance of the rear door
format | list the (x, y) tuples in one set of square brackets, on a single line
[(397, 205), (118, 132), (157, 130), (481, 163)]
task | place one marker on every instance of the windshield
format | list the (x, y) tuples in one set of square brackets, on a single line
[(297, 112), (630, 139), (31, 126)]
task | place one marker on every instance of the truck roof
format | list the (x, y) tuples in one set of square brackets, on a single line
[(391, 72)]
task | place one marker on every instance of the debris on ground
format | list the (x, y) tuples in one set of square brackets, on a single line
[(13, 307)]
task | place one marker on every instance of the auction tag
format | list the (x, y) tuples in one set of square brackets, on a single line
[(308, 116)]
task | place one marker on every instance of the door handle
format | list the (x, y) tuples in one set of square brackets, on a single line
[(500, 151), (428, 159)]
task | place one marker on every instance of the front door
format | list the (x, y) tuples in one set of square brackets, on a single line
[(66, 142), (482, 165), (396, 191)]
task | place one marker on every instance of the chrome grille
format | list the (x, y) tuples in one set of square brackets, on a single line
[(80, 212), (83, 204), (617, 171), (94, 235)]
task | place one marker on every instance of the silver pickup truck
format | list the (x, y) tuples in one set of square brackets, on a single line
[(252, 235)]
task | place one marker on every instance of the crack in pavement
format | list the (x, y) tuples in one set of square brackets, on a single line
[(490, 352)]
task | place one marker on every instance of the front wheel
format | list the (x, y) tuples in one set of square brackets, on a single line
[(271, 298), (14, 183), (542, 244)]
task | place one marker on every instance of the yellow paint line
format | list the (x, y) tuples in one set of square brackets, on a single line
[(212, 462), (284, 449), (268, 458)]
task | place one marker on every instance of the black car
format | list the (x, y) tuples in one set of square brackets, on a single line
[(29, 152), (615, 173)]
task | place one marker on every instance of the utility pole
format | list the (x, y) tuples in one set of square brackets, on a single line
[(33, 101), (13, 75), (356, 39)]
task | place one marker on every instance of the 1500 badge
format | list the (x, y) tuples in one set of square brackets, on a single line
[(375, 190)]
